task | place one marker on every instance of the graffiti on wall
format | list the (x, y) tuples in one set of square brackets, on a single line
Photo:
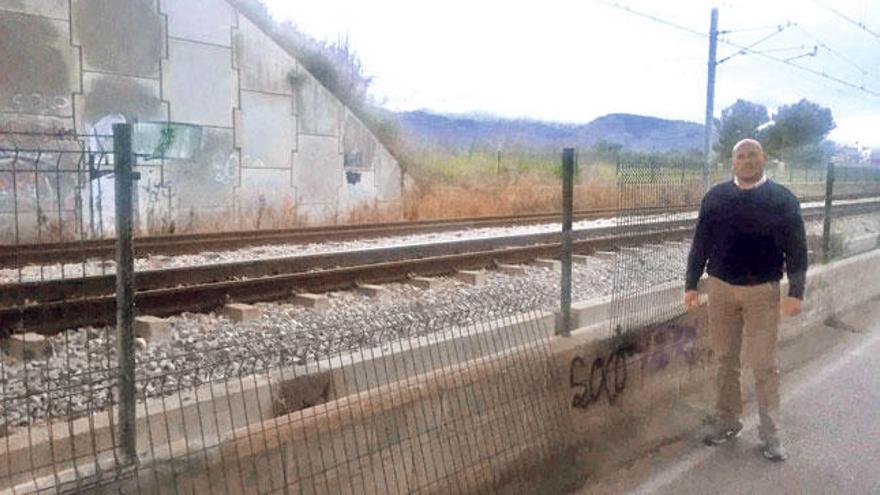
[(40, 104), (225, 166), (654, 348), (605, 376)]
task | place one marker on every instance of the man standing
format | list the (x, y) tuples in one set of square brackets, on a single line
[(747, 229)]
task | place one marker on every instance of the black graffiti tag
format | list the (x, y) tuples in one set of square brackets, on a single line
[(607, 376)]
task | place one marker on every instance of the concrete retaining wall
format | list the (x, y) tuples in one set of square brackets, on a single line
[(485, 421), (197, 62)]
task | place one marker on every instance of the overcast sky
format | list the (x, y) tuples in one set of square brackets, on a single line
[(573, 61)]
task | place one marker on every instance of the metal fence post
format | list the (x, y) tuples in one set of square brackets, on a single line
[(564, 327), (123, 163), (826, 228)]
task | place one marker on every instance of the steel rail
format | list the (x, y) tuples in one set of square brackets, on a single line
[(51, 306), (20, 255)]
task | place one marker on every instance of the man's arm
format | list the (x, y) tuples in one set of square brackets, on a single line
[(699, 250), (795, 250)]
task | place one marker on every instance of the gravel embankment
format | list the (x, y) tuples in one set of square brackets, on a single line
[(80, 376), (206, 347)]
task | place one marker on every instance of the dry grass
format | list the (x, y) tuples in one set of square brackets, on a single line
[(495, 196)]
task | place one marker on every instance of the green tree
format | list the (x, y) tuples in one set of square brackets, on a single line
[(739, 121), (798, 132)]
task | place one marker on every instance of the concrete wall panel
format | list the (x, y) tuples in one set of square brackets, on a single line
[(39, 70), (317, 169), (268, 187), (46, 86), (268, 130), (317, 213), (264, 65), (11, 122), (120, 37), (135, 98), (319, 111), (388, 177), (200, 84), (210, 179), (359, 142), (208, 21), (56, 9), (358, 190)]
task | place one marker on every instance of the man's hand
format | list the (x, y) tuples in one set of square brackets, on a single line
[(791, 306), (691, 300)]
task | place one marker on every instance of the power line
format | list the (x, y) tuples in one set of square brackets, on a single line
[(746, 49), (779, 29), (823, 45), (860, 25), (654, 18), (748, 30), (806, 69)]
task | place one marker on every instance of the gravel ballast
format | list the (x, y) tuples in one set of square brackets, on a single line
[(80, 375)]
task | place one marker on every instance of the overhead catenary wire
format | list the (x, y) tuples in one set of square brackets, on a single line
[(749, 30), (832, 51), (825, 75), (860, 25), (822, 74), (779, 29)]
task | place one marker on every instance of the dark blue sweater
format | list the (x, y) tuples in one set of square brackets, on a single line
[(746, 235)]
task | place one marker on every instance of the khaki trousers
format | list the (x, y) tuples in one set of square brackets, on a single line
[(744, 327)]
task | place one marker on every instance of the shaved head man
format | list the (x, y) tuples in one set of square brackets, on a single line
[(749, 160), (748, 231)]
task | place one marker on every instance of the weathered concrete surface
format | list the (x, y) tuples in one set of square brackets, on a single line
[(268, 130), (155, 60), (319, 112), (54, 9), (265, 67), (152, 329), (389, 177), (137, 99), (199, 83), (829, 402), (266, 194), (206, 21), (28, 347), (241, 312), (317, 170), (39, 70), (119, 37), (314, 301), (589, 400), (168, 427), (208, 180)]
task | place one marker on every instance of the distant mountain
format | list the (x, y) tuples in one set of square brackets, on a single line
[(634, 132)]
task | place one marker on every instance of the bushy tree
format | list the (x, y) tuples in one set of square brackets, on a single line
[(739, 121), (798, 132)]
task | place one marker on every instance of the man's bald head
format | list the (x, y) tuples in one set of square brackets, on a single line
[(747, 142), (748, 161)]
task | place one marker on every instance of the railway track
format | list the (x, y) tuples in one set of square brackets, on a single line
[(15, 256), (51, 306), (170, 245)]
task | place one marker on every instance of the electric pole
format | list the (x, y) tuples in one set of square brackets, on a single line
[(710, 97)]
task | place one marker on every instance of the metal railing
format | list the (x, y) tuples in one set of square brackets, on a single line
[(140, 409)]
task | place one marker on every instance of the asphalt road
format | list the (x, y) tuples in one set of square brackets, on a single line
[(831, 416)]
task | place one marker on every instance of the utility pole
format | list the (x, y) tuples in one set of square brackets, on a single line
[(710, 96)]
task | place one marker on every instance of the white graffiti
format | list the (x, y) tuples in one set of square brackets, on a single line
[(225, 167), (39, 103)]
